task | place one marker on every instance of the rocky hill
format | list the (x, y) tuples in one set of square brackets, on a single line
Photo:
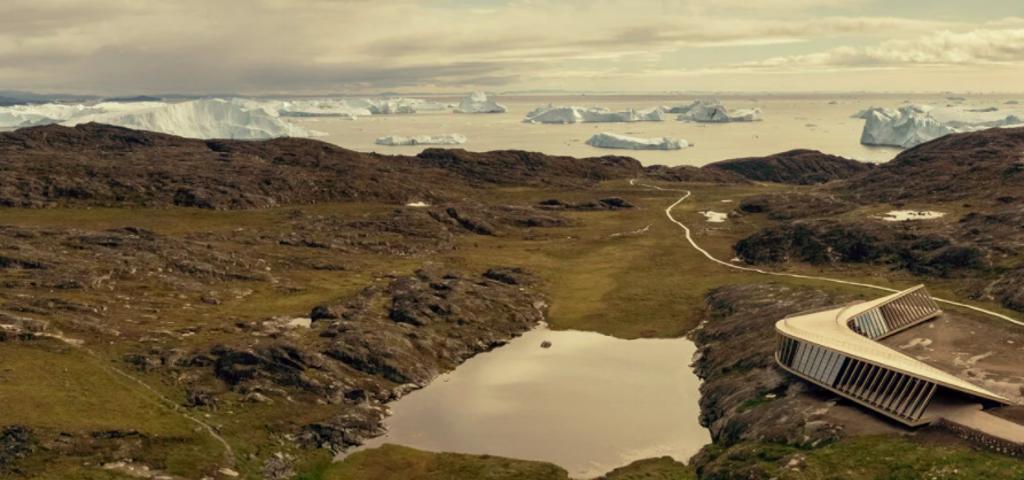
[(95, 164), (986, 164), (795, 166), (517, 167)]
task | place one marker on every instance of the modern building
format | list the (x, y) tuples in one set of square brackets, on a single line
[(838, 350)]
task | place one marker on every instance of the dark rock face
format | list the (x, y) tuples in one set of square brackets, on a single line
[(515, 167), (980, 165), (609, 203), (374, 348), (745, 396), (16, 442), (509, 275), (801, 167), (1008, 289), (687, 173), (789, 206), (825, 241), (96, 164)]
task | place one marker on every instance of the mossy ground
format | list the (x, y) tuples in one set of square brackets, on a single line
[(862, 458), (626, 273)]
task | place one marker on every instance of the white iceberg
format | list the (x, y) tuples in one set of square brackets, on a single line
[(445, 139), (573, 114), (18, 116), (713, 111), (206, 118), (614, 140), (912, 125), (480, 102), (325, 107), (395, 105)]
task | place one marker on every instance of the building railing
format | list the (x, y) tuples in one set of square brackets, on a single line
[(904, 311)]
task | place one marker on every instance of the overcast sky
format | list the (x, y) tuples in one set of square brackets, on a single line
[(321, 46)]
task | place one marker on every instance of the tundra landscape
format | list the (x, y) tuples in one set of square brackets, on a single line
[(417, 240)]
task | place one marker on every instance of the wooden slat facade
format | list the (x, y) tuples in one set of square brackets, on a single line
[(895, 394), (911, 308)]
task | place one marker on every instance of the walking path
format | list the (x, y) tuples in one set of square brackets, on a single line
[(689, 238)]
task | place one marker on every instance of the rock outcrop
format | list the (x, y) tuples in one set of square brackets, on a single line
[(95, 164), (800, 167)]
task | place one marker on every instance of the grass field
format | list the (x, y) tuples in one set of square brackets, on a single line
[(626, 273)]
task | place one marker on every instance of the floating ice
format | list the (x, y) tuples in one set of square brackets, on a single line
[(322, 108), (395, 105), (614, 140), (572, 114), (445, 139), (912, 125), (712, 111), (206, 118), (18, 116), (479, 102), (908, 215)]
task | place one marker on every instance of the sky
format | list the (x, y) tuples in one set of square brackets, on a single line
[(129, 47)]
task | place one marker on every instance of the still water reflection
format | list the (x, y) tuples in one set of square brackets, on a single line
[(588, 403)]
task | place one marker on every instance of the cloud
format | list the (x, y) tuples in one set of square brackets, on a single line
[(308, 46), (945, 48)]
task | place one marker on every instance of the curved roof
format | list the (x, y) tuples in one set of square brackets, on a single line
[(830, 329)]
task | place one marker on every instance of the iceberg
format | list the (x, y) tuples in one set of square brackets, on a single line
[(614, 140), (321, 108), (205, 118), (713, 111), (18, 116), (912, 125), (395, 105), (479, 102), (445, 139), (573, 114)]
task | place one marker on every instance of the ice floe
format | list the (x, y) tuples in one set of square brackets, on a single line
[(480, 102), (713, 111), (573, 114), (908, 215), (715, 217), (444, 139), (396, 105), (912, 125), (205, 118), (614, 140), (18, 116), (320, 108)]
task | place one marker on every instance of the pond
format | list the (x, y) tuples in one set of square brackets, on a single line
[(584, 401)]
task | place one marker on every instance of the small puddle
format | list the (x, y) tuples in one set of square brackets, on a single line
[(588, 403)]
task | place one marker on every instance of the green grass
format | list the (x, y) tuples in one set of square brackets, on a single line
[(662, 468), (863, 458), (644, 285), (53, 388), (391, 462)]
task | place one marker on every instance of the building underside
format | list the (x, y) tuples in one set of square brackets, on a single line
[(838, 350)]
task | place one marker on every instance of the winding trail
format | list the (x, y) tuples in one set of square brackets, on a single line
[(157, 399), (689, 238), (162, 400)]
